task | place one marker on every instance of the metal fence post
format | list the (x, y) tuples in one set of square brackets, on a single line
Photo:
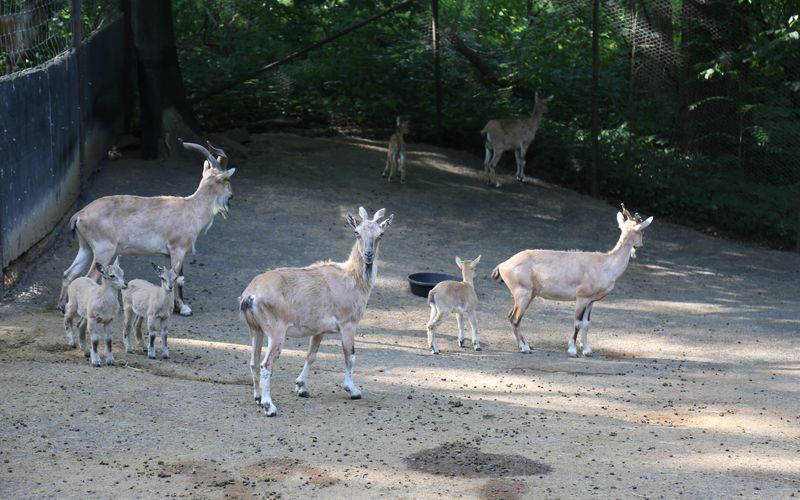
[(437, 69), (75, 25), (595, 95)]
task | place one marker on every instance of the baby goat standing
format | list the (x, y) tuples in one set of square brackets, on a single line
[(459, 296), (396, 156), (326, 297), (96, 305), (146, 301), (584, 277)]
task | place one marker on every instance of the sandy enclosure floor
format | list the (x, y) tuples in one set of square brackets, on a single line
[(693, 389)]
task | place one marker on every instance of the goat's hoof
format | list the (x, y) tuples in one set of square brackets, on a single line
[(461, 343), (588, 353), (61, 306), (165, 356), (129, 350), (572, 353), (477, 347), (402, 181), (300, 390), (498, 185), (270, 410), (86, 354), (525, 349), (354, 392), (185, 310), (257, 399), (110, 362), (151, 356), (72, 344), (434, 351), (303, 393)]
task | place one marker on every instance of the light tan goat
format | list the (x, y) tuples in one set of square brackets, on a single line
[(326, 297), (96, 305), (159, 225), (396, 155), (515, 134), (143, 301), (455, 296), (584, 277)]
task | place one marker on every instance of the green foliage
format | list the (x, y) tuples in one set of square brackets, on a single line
[(714, 140)]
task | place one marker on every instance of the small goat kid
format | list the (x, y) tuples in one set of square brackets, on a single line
[(515, 134), (96, 305), (455, 296), (143, 301), (396, 156), (165, 225), (326, 297), (584, 277)]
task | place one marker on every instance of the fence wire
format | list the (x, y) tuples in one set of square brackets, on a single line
[(33, 32)]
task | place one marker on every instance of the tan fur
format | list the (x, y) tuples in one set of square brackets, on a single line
[(326, 297), (96, 305), (584, 277), (396, 154), (144, 302), (455, 296), (511, 134), (159, 225)]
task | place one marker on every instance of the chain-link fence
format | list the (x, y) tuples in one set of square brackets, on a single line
[(33, 32)]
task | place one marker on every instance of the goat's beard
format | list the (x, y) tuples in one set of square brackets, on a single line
[(633, 252), (221, 207), (368, 270)]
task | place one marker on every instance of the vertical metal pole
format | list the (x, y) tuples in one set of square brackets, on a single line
[(75, 24), (437, 70), (595, 95)]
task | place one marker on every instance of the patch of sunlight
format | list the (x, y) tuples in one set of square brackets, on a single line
[(778, 463), (32, 292), (673, 306)]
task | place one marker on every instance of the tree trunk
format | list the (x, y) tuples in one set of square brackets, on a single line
[(165, 113)]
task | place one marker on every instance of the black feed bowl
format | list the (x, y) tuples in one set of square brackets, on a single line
[(422, 283)]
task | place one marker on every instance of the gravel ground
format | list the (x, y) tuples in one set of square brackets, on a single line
[(692, 391)]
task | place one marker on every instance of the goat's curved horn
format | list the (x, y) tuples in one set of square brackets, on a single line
[(222, 157), (625, 212), (200, 149)]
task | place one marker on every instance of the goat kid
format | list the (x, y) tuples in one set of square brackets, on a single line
[(396, 156), (159, 225), (96, 305), (585, 277), (455, 296), (515, 134), (326, 297), (143, 301)]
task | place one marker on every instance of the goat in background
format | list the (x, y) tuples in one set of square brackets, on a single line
[(396, 156), (515, 134)]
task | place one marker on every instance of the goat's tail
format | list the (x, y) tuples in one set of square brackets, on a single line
[(73, 224), (431, 298), (496, 274), (246, 308)]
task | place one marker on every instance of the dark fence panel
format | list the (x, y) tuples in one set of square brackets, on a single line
[(39, 116)]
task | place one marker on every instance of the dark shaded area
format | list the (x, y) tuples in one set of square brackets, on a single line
[(460, 459)]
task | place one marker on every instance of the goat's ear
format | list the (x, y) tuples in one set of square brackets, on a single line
[(116, 261), (475, 262), (362, 212), (352, 222), (228, 173), (387, 222), (378, 214), (644, 224), (100, 268), (206, 166), (620, 219), (158, 268), (459, 262)]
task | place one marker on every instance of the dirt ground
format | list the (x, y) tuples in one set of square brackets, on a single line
[(692, 391)]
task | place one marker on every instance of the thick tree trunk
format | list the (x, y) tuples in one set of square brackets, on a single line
[(165, 113)]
